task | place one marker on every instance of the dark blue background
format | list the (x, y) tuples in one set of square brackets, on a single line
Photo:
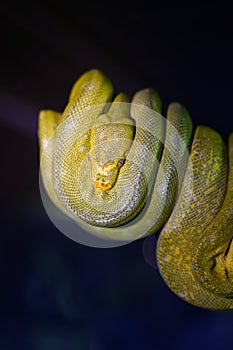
[(55, 293)]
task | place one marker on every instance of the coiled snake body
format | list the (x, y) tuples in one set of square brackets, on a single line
[(122, 171)]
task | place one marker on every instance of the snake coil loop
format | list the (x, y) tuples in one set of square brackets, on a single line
[(122, 171)]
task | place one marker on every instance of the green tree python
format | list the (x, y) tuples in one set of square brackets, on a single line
[(122, 171)]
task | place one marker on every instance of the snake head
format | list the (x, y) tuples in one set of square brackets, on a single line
[(109, 146), (106, 175)]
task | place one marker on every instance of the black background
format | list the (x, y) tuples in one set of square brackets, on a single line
[(58, 294)]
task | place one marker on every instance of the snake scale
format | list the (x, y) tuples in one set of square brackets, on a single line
[(122, 171)]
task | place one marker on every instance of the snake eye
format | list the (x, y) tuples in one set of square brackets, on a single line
[(120, 162)]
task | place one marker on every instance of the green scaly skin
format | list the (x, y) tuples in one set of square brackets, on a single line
[(123, 165)]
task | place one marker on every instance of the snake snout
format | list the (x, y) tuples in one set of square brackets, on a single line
[(102, 184), (106, 175)]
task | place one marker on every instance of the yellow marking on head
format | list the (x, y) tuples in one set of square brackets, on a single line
[(102, 186), (106, 175)]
